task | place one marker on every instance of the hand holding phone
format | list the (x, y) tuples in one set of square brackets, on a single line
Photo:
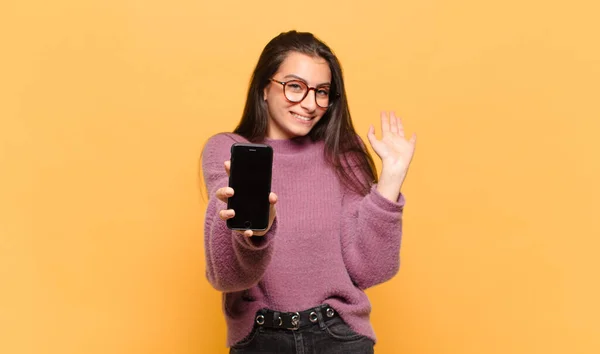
[(250, 203)]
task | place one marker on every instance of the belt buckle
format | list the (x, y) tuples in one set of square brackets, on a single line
[(295, 321)]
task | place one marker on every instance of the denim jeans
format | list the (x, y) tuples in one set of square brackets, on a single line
[(333, 336)]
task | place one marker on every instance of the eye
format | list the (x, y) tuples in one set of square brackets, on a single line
[(295, 86), (324, 92)]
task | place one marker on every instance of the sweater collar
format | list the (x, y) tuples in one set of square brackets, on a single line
[(290, 146)]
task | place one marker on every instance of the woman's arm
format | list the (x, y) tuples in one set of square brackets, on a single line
[(372, 225), (234, 261)]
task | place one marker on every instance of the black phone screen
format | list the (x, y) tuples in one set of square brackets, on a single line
[(250, 178)]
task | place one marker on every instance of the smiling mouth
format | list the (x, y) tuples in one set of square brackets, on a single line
[(302, 118)]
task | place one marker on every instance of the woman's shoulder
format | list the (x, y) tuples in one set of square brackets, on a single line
[(217, 147), (225, 138)]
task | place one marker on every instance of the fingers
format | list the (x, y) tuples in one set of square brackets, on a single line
[(390, 125), (226, 214), (272, 213), (247, 233), (393, 123), (399, 126), (273, 198), (413, 139), (385, 124), (396, 125), (224, 193), (227, 167)]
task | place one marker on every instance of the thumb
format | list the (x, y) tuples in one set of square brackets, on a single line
[(413, 140), (375, 144), (371, 135)]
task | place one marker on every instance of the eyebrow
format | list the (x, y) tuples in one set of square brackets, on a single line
[(301, 79)]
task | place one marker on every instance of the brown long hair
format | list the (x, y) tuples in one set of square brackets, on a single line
[(343, 147)]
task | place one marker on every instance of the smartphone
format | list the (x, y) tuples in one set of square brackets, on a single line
[(250, 177)]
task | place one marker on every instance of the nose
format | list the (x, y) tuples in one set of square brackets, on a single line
[(310, 101)]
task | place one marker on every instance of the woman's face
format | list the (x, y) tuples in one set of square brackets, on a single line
[(288, 119)]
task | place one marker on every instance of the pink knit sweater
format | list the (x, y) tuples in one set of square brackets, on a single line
[(327, 244)]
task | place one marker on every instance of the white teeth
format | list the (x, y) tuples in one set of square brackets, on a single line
[(301, 117)]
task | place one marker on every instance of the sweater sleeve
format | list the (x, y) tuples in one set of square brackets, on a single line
[(234, 262), (371, 237)]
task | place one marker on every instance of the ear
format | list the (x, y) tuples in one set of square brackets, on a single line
[(265, 93)]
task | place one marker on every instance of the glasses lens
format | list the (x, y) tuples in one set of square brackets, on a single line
[(322, 96), (295, 90)]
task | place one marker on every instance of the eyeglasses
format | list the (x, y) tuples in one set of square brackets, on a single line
[(296, 91)]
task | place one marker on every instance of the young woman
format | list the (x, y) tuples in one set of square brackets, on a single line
[(299, 286)]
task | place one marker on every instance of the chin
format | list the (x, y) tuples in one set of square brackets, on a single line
[(296, 133)]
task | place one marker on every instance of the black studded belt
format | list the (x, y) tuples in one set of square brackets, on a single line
[(294, 320)]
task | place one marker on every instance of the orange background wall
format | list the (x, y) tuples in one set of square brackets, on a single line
[(105, 106)]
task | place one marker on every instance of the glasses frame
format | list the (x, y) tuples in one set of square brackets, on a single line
[(284, 83)]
